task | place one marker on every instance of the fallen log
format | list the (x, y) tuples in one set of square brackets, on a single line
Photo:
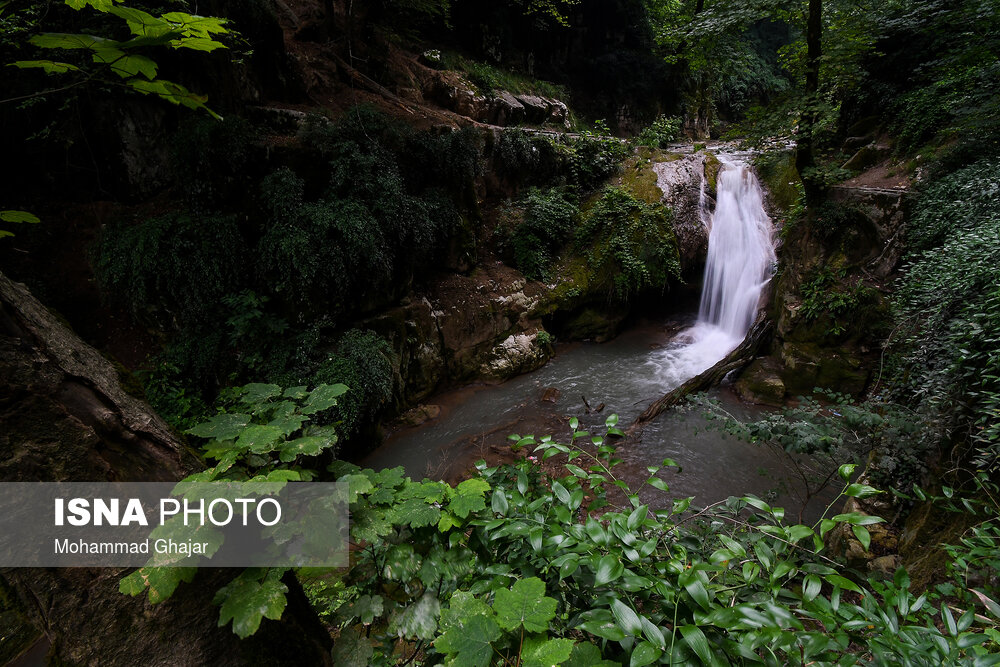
[(758, 336)]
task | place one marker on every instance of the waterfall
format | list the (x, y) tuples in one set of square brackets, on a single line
[(738, 266)]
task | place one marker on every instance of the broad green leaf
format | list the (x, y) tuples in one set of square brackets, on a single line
[(858, 519), (842, 582), (860, 491), (247, 600), (524, 605), (418, 620), (352, 649), (310, 445), (323, 397), (626, 618), (601, 623), (863, 536), (225, 426), (609, 568), (469, 497), (470, 642), (259, 439), (697, 642), (99, 5), (811, 586), (258, 393), (50, 67), (586, 654), (845, 471), (60, 40), (415, 512), (200, 26), (543, 652), (161, 581), (644, 654)]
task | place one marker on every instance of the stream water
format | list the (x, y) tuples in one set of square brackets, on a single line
[(590, 381)]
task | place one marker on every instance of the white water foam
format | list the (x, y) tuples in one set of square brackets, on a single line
[(739, 264)]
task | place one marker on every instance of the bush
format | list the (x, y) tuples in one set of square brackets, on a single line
[(549, 218), (173, 270), (630, 245), (660, 133), (362, 361)]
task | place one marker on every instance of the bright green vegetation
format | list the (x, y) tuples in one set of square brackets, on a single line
[(489, 79), (629, 244), (518, 565)]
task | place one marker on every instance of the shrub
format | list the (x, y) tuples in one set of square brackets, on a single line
[(172, 270), (362, 361), (630, 245), (549, 218), (660, 133)]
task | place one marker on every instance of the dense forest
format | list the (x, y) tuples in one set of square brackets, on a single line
[(249, 242)]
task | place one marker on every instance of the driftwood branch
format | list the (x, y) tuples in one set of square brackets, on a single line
[(757, 338)]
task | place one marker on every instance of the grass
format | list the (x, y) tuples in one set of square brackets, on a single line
[(489, 79)]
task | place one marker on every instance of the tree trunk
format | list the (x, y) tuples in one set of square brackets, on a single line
[(757, 338), (805, 148), (65, 417)]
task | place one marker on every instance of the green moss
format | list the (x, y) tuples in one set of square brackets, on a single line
[(712, 168), (780, 178)]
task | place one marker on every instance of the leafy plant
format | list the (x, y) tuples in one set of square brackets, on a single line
[(547, 222), (660, 133), (630, 244)]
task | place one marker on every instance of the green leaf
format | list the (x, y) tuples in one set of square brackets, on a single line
[(644, 654), (352, 649), (697, 642), (609, 568), (256, 393), (259, 439), (524, 604), (99, 5), (811, 587), (586, 654), (59, 40), (845, 471), (310, 445), (470, 641), (858, 519), (601, 623), (161, 581), (418, 620), (860, 491), (469, 497), (626, 618), (863, 536), (247, 600), (225, 426), (842, 582), (543, 652), (50, 67), (323, 397)]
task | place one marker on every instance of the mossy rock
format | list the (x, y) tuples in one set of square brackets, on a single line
[(781, 181), (807, 366), (712, 168), (761, 383), (593, 324)]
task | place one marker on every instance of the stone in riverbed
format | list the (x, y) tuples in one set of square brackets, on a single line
[(550, 395), (420, 414)]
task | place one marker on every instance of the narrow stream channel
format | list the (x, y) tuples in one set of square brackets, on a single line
[(627, 374)]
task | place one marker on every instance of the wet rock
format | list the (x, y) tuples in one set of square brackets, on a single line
[(419, 415), (558, 113), (886, 565), (551, 395), (593, 324), (515, 355), (680, 180), (761, 383)]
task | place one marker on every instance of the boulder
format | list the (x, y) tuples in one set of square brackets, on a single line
[(505, 110), (761, 383), (536, 109)]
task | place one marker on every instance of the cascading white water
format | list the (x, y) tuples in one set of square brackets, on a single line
[(740, 257)]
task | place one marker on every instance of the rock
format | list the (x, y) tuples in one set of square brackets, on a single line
[(593, 324), (505, 110), (854, 143), (761, 383), (536, 109), (419, 415), (551, 395), (515, 355), (866, 157), (807, 365), (558, 113), (864, 127), (680, 180), (886, 565)]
